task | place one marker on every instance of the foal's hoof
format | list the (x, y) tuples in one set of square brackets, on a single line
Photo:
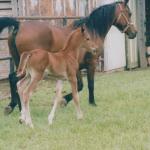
[(21, 121), (8, 110), (80, 116), (30, 125), (50, 122), (63, 102)]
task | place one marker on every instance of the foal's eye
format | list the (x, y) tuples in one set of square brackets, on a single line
[(87, 39), (130, 14)]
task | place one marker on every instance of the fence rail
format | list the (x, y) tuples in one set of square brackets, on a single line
[(47, 17), (5, 58)]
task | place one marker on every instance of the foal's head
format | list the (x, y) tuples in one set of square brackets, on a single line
[(82, 38), (90, 42), (123, 20)]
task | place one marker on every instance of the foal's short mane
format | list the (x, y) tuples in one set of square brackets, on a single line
[(69, 40), (99, 20)]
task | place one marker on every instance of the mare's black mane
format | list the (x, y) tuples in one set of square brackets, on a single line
[(99, 21)]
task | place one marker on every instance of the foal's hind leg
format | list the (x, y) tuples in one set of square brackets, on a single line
[(58, 96), (75, 94), (35, 78), (21, 85)]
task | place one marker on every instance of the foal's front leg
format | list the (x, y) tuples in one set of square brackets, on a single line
[(58, 96), (73, 82), (35, 78), (68, 97)]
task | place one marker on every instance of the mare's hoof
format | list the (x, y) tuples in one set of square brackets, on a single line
[(93, 104), (8, 110)]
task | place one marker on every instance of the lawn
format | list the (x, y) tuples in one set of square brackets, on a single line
[(121, 121)]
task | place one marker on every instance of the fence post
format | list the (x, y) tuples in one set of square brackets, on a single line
[(64, 21), (141, 32)]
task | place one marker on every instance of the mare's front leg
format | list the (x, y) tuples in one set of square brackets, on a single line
[(69, 97), (58, 96), (90, 78), (73, 82)]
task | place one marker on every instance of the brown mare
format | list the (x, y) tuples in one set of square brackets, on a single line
[(30, 35), (63, 64)]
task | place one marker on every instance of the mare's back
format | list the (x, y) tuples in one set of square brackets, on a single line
[(39, 35)]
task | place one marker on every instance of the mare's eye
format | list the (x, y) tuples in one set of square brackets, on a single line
[(87, 39)]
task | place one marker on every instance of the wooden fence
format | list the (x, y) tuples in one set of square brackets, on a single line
[(58, 12)]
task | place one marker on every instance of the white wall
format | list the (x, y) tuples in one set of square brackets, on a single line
[(114, 50)]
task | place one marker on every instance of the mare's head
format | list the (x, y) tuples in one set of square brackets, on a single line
[(102, 18), (123, 19)]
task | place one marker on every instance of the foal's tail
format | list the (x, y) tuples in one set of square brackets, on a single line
[(8, 22), (23, 63)]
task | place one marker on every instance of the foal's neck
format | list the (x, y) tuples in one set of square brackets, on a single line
[(74, 42)]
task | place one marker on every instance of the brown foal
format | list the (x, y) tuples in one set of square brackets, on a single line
[(63, 64)]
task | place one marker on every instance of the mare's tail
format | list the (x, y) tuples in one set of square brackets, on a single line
[(23, 63), (11, 22), (8, 22)]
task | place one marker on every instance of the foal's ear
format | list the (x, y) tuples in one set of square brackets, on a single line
[(126, 2), (82, 28)]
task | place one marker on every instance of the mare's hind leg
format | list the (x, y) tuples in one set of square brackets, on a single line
[(12, 77), (73, 82), (69, 97), (58, 96), (15, 99), (35, 78)]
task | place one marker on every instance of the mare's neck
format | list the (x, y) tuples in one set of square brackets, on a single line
[(101, 19)]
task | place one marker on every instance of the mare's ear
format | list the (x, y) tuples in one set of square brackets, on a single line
[(126, 2)]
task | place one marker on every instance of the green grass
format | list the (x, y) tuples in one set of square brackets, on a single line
[(121, 121)]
